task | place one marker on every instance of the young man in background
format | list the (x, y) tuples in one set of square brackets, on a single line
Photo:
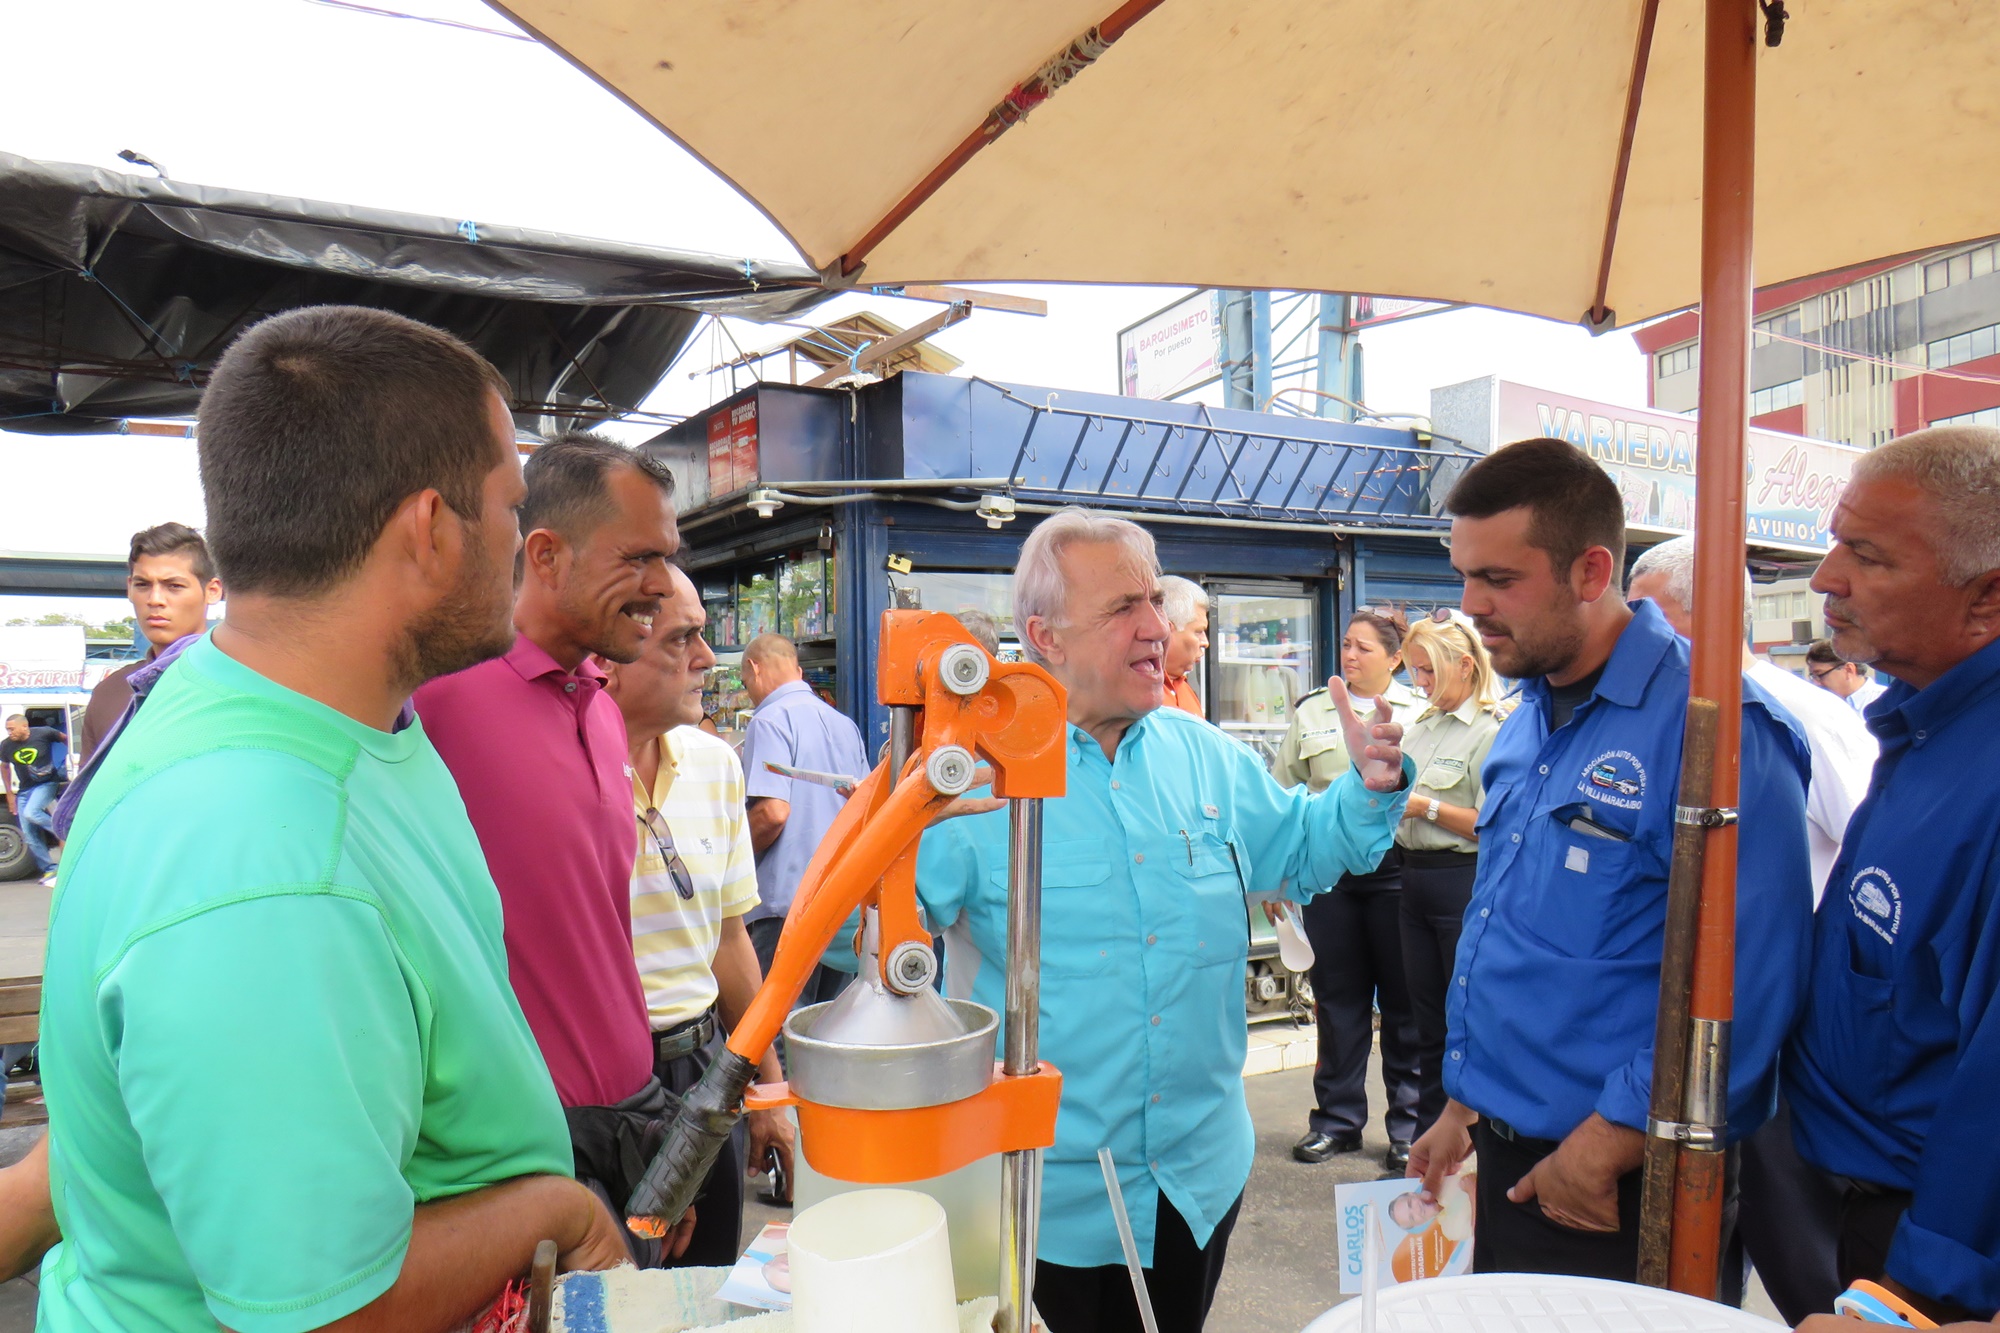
[(170, 579)]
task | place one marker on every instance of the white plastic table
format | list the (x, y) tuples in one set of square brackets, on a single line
[(1537, 1303)]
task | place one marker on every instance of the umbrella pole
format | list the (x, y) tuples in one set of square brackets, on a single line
[(1729, 126)]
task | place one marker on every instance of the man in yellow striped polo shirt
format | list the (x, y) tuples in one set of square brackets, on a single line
[(693, 883)]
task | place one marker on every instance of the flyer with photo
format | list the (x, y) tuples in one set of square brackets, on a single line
[(1416, 1237), (762, 1278)]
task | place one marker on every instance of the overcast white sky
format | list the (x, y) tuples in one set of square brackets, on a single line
[(295, 97)]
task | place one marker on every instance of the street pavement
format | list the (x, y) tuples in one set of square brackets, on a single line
[(24, 923)]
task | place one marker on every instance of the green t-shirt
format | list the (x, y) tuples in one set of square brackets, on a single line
[(275, 1018)]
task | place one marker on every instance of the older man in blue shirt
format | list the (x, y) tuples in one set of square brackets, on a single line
[(1894, 1072), (788, 816), (1549, 1047), (1166, 826)]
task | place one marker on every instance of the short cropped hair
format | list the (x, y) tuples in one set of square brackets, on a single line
[(1573, 503), (1674, 558), (770, 648), (1958, 467), (569, 482), (1821, 653), (173, 539), (1038, 576), (318, 423), (1183, 597), (982, 626)]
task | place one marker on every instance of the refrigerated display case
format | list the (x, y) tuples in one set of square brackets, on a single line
[(1261, 652)]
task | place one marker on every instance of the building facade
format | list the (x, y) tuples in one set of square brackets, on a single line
[(1861, 356)]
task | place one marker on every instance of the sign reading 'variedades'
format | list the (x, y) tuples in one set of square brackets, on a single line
[(1794, 482)]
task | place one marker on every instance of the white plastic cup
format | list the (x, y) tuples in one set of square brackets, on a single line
[(872, 1261)]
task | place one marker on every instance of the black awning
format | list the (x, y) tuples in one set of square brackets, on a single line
[(118, 293)]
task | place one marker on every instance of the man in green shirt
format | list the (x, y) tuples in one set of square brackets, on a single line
[(289, 1087)]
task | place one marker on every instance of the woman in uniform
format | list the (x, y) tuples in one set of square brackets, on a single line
[(1354, 928), (1447, 744)]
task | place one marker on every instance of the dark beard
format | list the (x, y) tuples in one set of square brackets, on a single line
[(1551, 651), (470, 624)]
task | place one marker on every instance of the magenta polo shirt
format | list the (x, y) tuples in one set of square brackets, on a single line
[(539, 756)]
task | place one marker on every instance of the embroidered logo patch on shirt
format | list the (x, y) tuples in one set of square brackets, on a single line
[(1615, 778), (1877, 902)]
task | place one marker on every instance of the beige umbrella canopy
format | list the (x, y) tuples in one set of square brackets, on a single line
[(1429, 148)]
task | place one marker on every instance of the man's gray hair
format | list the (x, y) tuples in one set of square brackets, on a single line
[(1038, 577), (1183, 597), (1675, 559), (1958, 467)]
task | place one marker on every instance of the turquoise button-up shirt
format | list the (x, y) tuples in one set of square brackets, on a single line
[(1146, 863)]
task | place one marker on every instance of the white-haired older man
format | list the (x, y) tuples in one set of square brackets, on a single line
[(1186, 607), (1788, 1212), (1843, 753), (1893, 1071), (1166, 826)]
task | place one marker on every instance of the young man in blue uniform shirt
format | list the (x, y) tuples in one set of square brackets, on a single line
[(1549, 1050), (1894, 1071)]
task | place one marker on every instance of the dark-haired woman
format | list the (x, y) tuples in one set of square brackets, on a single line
[(1354, 927)]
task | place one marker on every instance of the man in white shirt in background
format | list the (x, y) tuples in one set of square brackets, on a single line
[(1789, 1210), (693, 885), (1843, 752), (1842, 679)]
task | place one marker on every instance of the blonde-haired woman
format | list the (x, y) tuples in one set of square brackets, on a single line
[(1448, 744)]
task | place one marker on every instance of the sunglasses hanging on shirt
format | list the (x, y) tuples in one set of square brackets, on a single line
[(663, 840)]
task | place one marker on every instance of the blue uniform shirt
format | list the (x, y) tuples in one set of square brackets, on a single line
[(1145, 865), (1894, 1071), (1557, 984)]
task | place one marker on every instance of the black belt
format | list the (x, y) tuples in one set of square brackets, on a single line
[(684, 1039), (1448, 860), (1500, 1129)]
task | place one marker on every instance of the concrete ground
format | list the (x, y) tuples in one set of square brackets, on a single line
[(24, 923)]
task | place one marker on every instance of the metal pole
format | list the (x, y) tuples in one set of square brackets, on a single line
[(1334, 342), (1020, 1172), (1729, 136), (1670, 1031), (902, 739)]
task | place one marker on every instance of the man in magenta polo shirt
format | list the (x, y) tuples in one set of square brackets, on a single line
[(538, 751)]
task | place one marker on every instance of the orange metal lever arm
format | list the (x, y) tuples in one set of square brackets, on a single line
[(858, 851)]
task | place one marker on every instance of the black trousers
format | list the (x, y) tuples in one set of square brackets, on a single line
[(718, 1212), (1514, 1237), (1868, 1218), (1181, 1283), (1788, 1222), (1436, 888), (1357, 967), (824, 983)]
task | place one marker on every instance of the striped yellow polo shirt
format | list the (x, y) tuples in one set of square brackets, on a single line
[(698, 801)]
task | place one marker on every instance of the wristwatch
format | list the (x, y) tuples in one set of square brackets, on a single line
[(1431, 809)]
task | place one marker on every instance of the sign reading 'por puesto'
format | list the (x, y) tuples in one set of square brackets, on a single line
[(1794, 482)]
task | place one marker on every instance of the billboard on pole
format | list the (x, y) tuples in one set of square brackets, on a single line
[(1172, 351)]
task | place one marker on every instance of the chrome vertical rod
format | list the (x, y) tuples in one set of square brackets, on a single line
[(1020, 1172), (902, 739)]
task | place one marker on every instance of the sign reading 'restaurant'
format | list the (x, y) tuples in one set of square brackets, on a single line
[(1794, 482)]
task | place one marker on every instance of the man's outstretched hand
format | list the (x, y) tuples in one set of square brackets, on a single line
[(1375, 747)]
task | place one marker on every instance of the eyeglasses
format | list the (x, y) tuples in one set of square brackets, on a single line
[(1823, 674), (663, 839)]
